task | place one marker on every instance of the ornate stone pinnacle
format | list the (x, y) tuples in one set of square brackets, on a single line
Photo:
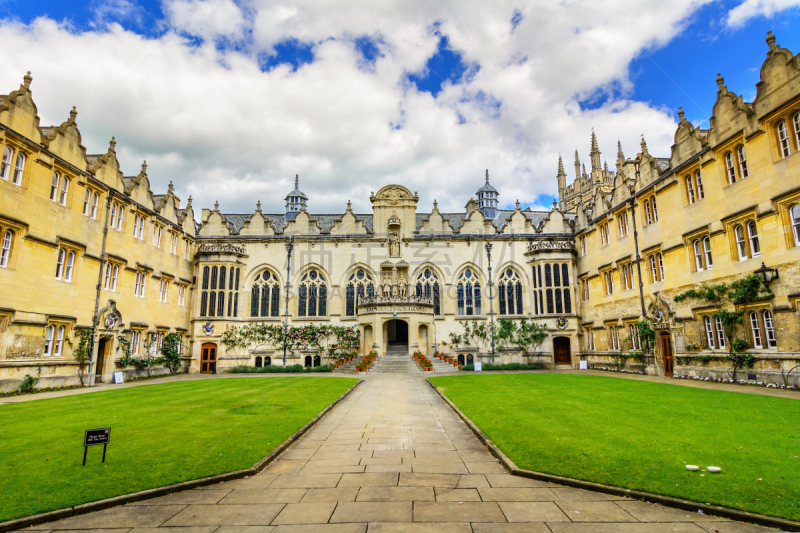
[(73, 114), (26, 80)]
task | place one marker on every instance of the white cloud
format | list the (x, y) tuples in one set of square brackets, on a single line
[(749, 9), (206, 117)]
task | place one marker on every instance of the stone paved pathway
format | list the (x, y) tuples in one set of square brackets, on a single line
[(391, 458)]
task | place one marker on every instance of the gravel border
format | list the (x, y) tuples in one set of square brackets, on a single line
[(669, 501), (99, 505)]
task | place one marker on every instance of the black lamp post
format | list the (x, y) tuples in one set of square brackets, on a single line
[(289, 247), (766, 274), (491, 301)]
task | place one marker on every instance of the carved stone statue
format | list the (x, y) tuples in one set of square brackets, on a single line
[(403, 287), (394, 244), (386, 288)]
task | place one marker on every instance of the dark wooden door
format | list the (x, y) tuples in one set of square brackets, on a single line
[(208, 358), (561, 354), (666, 351), (101, 357)]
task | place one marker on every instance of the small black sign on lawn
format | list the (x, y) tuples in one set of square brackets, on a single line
[(93, 437)]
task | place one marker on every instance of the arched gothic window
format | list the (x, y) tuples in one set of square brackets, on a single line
[(509, 288), (312, 295), (359, 284), (428, 286), (468, 292), (265, 299)]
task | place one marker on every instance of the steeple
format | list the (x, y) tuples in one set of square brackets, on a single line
[(620, 155), (577, 166), (562, 181), (295, 200), (595, 153), (487, 198)]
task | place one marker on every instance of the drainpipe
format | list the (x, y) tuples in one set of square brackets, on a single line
[(95, 317)]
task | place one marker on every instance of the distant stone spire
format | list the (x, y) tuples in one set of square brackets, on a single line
[(577, 166), (562, 180), (595, 154), (620, 155), (583, 169)]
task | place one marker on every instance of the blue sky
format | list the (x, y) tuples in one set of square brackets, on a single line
[(410, 92)]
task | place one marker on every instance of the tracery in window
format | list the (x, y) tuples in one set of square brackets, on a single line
[(428, 286), (265, 295), (509, 288), (359, 284), (468, 292), (312, 294)]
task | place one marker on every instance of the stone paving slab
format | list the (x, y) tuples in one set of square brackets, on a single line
[(391, 458)]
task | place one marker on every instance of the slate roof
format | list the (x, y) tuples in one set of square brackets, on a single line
[(325, 222)]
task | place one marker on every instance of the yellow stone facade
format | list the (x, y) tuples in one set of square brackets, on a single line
[(399, 273), (719, 206)]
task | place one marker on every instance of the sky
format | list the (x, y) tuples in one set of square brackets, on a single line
[(230, 99)]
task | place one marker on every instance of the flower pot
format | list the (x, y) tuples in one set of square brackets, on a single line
[(459, 366)]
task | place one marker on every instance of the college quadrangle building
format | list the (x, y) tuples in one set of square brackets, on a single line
[(82, 243)]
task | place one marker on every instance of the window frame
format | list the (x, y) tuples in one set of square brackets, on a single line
[(701, 193), (19, 168), (784, 145), (795, 222), (741, 158), (6, 163), (690, 189), (755, 331), (730, 167), (769, 329), (5, 247)]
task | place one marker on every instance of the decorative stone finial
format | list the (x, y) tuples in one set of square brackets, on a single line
[(349, 206), (297, 182), (435, 204), (518, 203), (681, 115), (112, 145), (644, 145), (554, 203), (216, 205), (144, 167), (73, 114), (26, 81), (189, 201), (720, 81), (561, 166), (258, 206), (770, 41), (170, 187)]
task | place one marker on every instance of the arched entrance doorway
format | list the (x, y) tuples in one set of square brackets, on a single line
[(561, 351), (208, 358), (397, 332), (666, 352)]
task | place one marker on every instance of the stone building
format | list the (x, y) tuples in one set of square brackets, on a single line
[(725, 201), (83, 246)]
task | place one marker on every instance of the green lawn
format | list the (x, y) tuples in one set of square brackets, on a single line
[(640, 435), (160, 434)]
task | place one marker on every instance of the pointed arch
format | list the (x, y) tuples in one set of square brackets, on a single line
[(358, 281), (312, 282), (428, 281)]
